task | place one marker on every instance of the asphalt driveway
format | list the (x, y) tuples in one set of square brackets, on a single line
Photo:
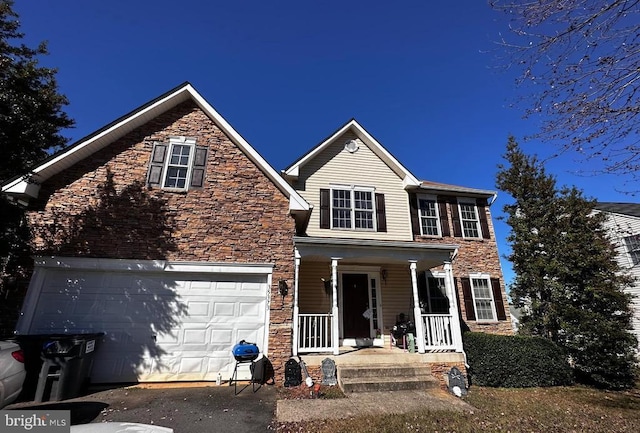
[(188, 408)]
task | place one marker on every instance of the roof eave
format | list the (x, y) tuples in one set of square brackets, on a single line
[(484, 193)]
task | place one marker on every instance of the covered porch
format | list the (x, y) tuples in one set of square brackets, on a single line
[(367, 293)]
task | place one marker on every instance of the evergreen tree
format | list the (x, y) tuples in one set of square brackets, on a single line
[(567, 278), (31, 119)]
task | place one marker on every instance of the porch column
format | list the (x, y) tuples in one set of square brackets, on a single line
[(449, 285), (335, 334), (296, 310), (416, 308)]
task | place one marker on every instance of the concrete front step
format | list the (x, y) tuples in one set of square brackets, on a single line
[(385, 378), (376, 384), (384, 370)]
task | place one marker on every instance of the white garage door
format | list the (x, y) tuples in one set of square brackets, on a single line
[(159, 325)]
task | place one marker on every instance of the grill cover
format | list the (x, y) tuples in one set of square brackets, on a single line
[(244, 351)]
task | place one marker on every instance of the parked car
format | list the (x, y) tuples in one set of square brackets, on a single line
[(12, 372)]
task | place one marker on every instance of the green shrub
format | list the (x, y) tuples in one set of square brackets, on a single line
[(515, 361)]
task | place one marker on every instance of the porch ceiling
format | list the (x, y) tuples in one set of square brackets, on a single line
[(373, 251)]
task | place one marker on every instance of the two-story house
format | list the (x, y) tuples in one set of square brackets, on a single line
[(168, 232)]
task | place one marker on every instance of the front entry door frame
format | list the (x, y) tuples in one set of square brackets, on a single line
[(374, 296)]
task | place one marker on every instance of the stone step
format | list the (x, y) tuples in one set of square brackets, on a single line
[(377, 384), (383, 370)]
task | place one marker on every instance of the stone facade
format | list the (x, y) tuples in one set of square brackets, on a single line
[(475, 255), (102, 207)]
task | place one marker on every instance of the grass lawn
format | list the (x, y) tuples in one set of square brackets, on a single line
[(562, 409)]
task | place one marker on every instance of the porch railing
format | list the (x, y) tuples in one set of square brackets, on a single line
[(314, 332), (438, 333)]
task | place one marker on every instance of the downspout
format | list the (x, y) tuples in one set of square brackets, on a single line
[(493, 199)]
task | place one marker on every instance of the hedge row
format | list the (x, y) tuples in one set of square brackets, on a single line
[(515, 361)]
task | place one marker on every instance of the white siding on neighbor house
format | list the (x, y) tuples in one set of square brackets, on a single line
[(619, 227), (337, 166)]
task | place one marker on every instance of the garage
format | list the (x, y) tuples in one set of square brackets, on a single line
[(163, 321)]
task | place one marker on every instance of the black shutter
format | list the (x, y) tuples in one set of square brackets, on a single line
[(444, 218), (381, 217), (468, 298), (325, 212), (497, 299), (156, 166), (199, 167), (413, 208), (455, 218), (482, 215)]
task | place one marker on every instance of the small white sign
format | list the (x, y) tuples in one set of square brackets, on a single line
[(91, 345)]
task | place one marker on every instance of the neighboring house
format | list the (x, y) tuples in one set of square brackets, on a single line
[(167, 231), (516, 314), (623, 224)]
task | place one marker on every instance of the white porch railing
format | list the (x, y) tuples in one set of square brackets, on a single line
[(314, 333), (438, 332)]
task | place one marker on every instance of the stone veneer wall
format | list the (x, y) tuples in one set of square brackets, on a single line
[(239, 216), (475, 255)]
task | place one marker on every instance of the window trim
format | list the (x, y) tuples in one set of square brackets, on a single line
[(487, 278), (469, 202), (178, 141), (437, 217), (352, 213)]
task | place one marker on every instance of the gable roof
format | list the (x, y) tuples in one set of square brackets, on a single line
[(408, 179), (632, 209), (27, 185)]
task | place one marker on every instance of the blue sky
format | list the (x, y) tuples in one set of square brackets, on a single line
[(422, 77)]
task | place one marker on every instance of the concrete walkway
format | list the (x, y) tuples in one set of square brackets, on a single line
[(368, 403)]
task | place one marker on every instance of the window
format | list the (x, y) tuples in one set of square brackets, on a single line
[(469, 219), (428, 213), (178, 164), (482, 298), (633, 247), (352, 208), (434, 299), (341, 205)]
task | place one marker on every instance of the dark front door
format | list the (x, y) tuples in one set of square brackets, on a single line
[(355, 293)]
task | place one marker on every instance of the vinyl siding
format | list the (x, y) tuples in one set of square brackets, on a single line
[(397, 295), (619, 227), (336, 166), (312, 297)]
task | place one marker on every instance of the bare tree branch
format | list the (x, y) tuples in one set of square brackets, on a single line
[(581, 59)]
